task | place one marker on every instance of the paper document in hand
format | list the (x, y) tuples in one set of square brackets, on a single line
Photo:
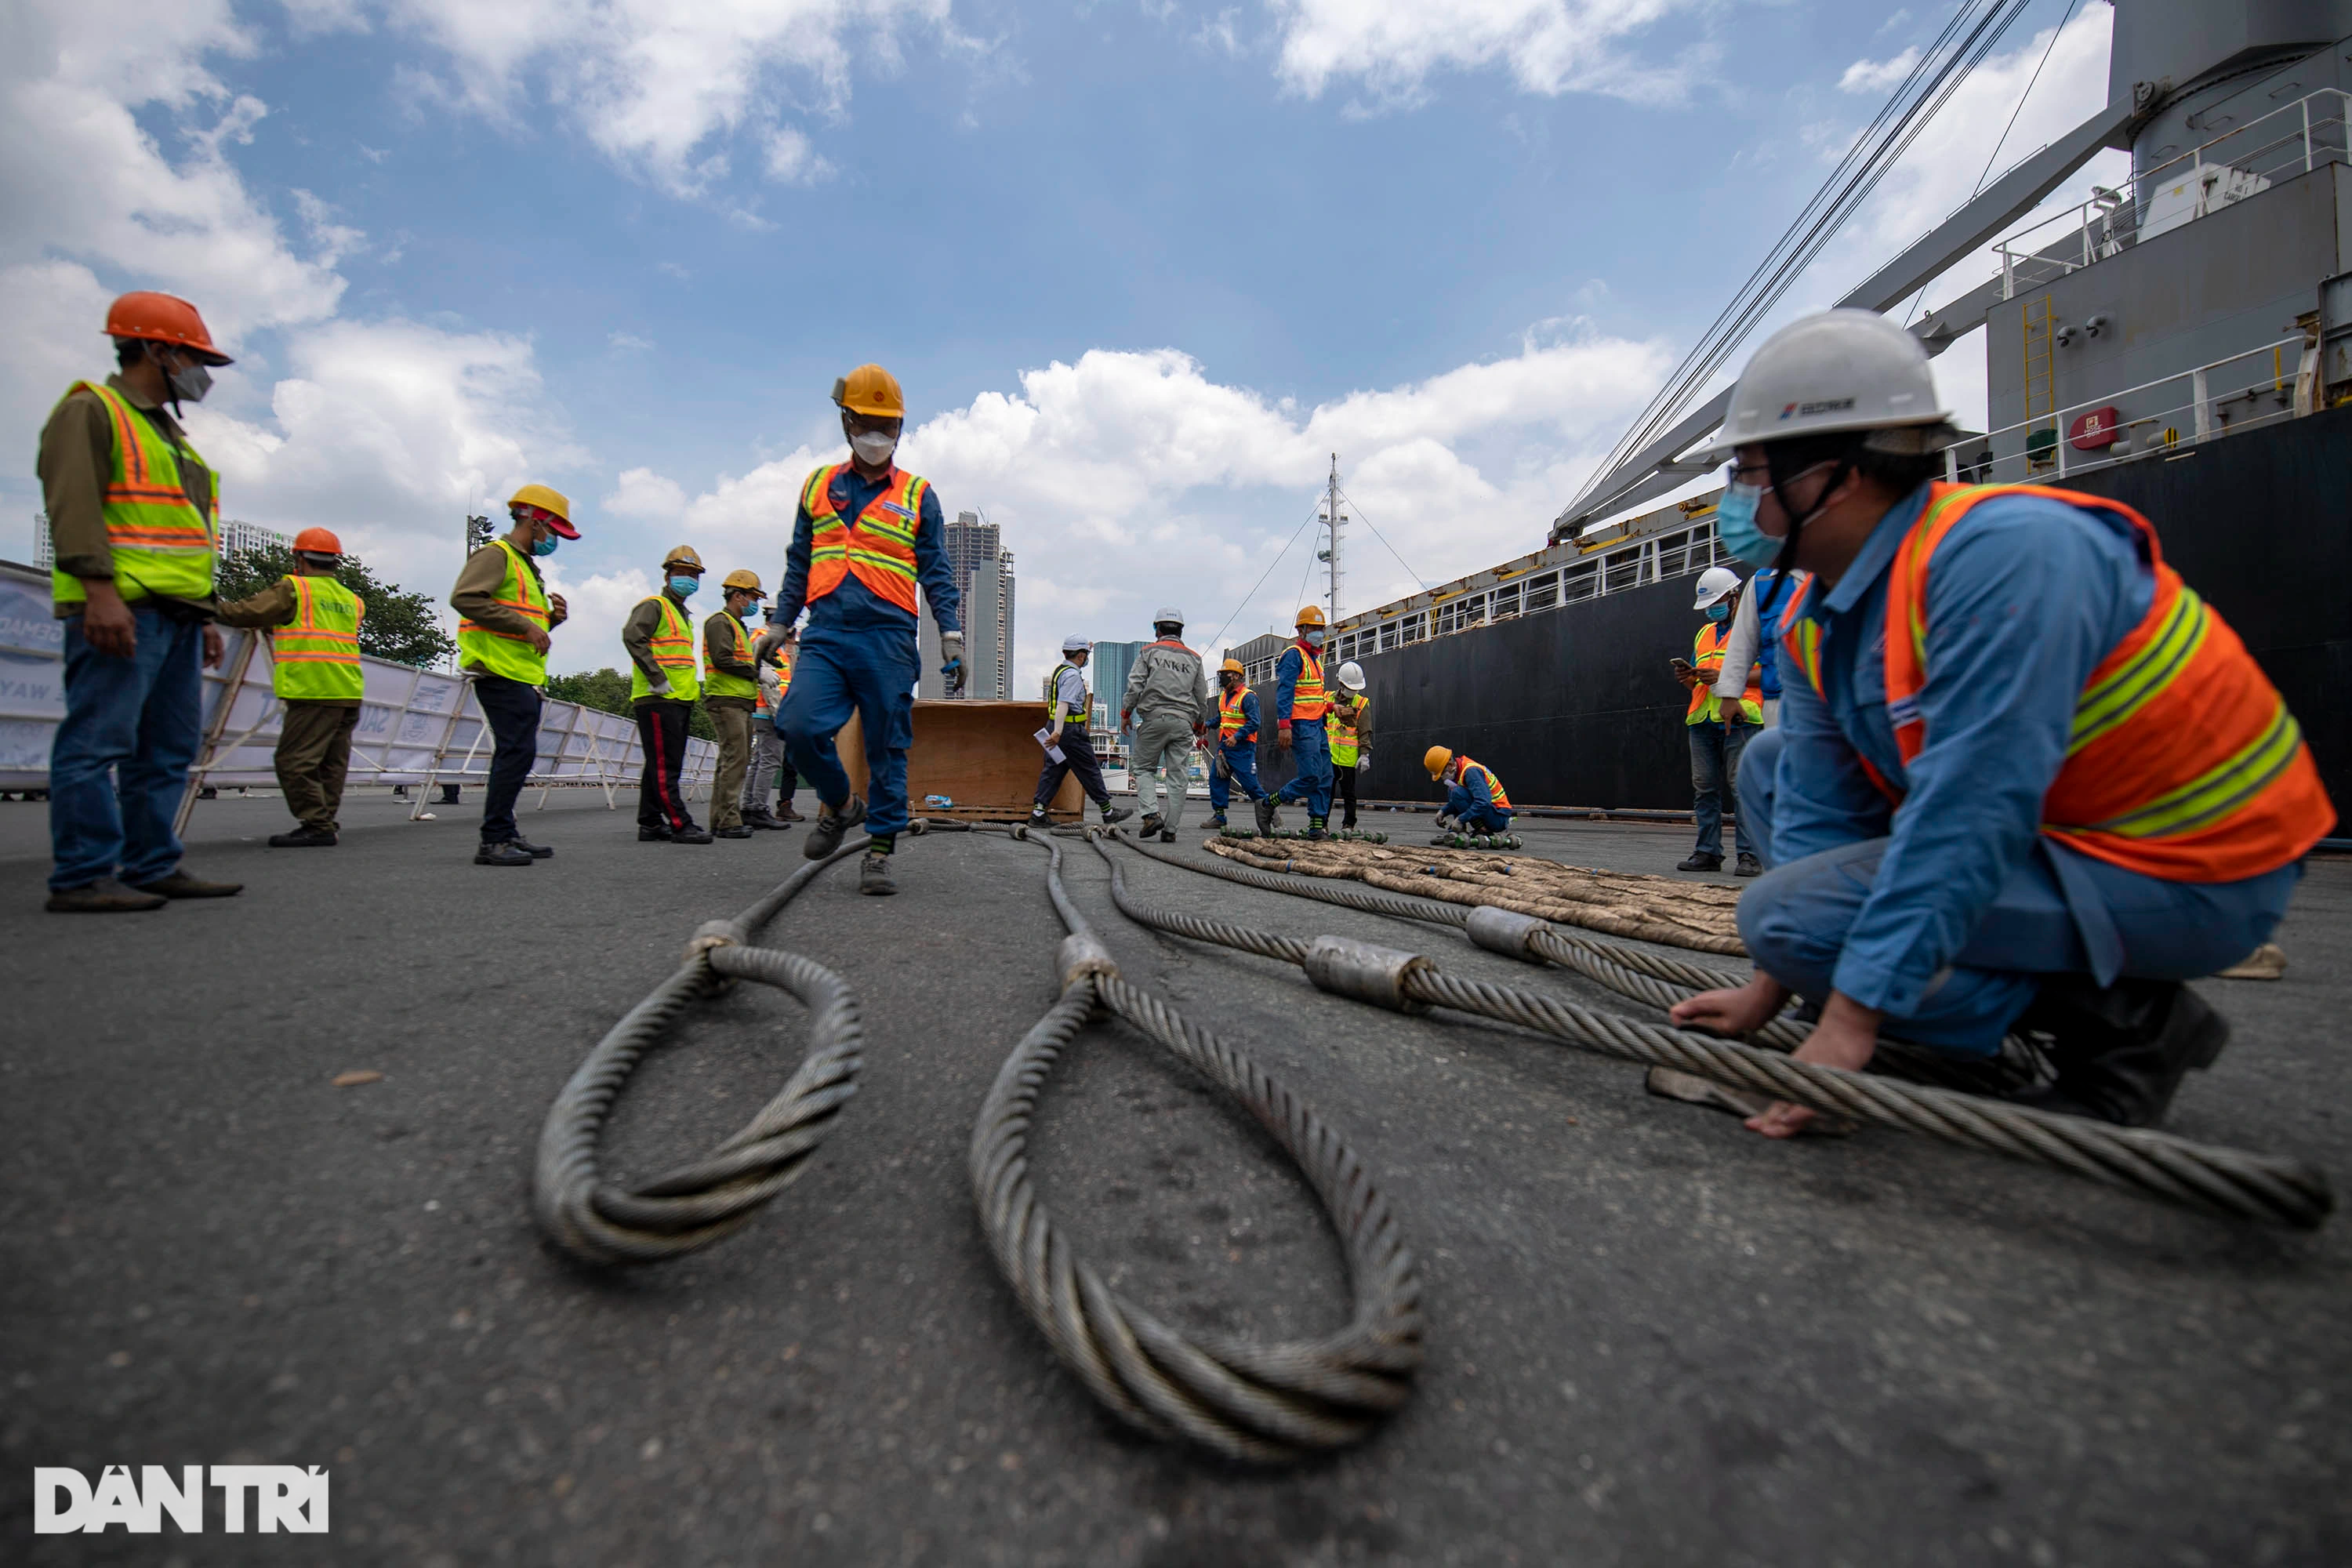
[(1044, 738)]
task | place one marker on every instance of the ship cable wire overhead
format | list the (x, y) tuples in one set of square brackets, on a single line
[(1418, 580), (1972, 33), (1270, 565)]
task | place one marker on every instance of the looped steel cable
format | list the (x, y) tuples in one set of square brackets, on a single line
[(696, 1204), (1249, 1401)]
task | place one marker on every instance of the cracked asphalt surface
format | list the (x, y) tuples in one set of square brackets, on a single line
[(1653, 1338)]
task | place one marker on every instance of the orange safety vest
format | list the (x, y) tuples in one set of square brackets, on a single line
[(1707, 654), (878, 546), (1231, 720), (783, 667), (1308, 699), (1493, 784), (2184, 764)]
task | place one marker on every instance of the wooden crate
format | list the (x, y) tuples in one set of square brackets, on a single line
[(983, 755)]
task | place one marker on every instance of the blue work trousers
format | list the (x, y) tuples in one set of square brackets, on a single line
[(2060, 912), (1242, 762), (1714, 750), (119, 764), (1473, 814), (1313, 749), (869, 672)]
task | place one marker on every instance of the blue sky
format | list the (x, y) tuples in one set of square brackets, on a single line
[(1140, 268)]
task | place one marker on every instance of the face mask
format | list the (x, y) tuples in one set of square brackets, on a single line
[(1719, 611), (191, 382), (544, 546), (873, 447), (1734, 524), (1313, 639), (683, 586)]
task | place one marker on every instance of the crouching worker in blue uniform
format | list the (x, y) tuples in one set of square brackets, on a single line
[(2023, 778), (1236, 759), (867, 532), (1476, 801)]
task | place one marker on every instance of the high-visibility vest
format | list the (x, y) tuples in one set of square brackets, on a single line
[(1308, 699), (2183, 765), (784, 668), (160, 542), (1055, 716), (509, 654), (877, 546), (1706, 654), (316, 656), (1493, 785), (717, 682), (1342, 725), (1232, 722), (672, 647)]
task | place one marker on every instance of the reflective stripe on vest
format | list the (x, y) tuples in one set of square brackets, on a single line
[(672, 647), (784, 668), (160, 542), (509, 654), (2183, 763), (1342, 723), (1493, 784), (1054, 715), (316, 656), (1231, 720), (1307, 697), (878, 546), (1707, 656), (717, 682)]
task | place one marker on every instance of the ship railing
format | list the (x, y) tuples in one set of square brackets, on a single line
[(2291, 140), (2258, 386)]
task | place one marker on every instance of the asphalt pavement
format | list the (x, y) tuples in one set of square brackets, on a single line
[(1652, 1337)]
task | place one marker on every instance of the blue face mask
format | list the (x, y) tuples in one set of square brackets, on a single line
[(1719, 611), (1734, 524), (544, 546), (684, 586), (1313, 639)]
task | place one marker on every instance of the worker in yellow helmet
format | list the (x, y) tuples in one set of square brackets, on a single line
[(315, 673), (1301, 701), (1476, 801), (730, 695), (663, 681), (504, 614)]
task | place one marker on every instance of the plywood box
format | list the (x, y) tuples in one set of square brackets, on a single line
[(983, 755)]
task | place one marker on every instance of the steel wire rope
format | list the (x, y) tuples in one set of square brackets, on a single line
[(1418, 580), (2233, 1182), (1262, 577), (694, 1204), (1259, 1402)]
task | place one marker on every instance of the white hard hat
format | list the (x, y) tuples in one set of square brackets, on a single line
[(1841, 370), (1168, 615), (1714, 584), (1075, 645), (1351, 676)]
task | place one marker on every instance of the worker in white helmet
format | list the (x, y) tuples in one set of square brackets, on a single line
[(1350, 731), (1068, 748), (1718, 728), (1168, 703)]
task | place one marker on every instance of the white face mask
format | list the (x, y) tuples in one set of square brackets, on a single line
[(873, 447)]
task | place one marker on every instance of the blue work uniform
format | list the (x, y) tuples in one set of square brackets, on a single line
[(1241, 759), (1471, 802), (1309, 741), (1942, 914), (857, 655)]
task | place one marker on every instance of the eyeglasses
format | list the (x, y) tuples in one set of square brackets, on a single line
[(1735, 470)]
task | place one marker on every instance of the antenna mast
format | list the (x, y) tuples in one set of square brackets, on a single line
[(1332, 518)]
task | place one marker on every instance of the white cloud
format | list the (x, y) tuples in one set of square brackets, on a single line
[(1879, 77), (332, 240), (792, 160), (630, 342), (590, 638), (642, 493), (1552, 46)]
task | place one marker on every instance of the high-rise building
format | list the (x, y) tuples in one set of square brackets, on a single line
[(234, 535), (983, 574), (1106, 678)]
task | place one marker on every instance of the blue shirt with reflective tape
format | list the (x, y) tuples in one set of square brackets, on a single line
[(852, 608)]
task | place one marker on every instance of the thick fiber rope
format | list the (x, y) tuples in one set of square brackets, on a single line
[(696, 1204), (1257, 1402), (2217, 1180)]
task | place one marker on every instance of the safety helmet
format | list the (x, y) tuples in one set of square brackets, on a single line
[(1714, 585), (1232, 666), (1167, 616), (163, 318), (1839, 370), (1351, 676), (1435, 760), (746, 579), (1075, 645), (872, 391), (1312, 616), (554, 508), (318, 541), (683, 556)]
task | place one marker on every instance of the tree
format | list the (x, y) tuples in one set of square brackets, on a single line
[(398, 627), (607, 691)]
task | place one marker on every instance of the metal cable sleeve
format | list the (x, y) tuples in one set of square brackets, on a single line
[(694, 1204), (1259, 1402)]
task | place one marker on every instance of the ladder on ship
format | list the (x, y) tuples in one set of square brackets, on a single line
[(2040, 385)]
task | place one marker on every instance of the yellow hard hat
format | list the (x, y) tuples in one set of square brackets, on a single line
[(1312, 616), (1232, 666), (683, 556), (745, 578), (1435, 760), (872, 391), (547, 501)]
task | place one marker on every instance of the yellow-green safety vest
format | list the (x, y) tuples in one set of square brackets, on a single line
[(719, 683), (316, 656), (1342, 722), (509, 654), (672, 646), (160, 542)]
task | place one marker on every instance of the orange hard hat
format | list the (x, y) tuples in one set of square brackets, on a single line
[(163, 318), (318, 541), (1232, 666), (871, 391), (1311, 616)]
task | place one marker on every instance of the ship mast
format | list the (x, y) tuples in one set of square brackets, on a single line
[(1332, 518)]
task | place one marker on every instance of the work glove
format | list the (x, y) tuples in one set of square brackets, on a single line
[(951, 648), (659, 685)]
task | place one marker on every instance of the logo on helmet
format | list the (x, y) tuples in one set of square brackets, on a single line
[(1826, 405)]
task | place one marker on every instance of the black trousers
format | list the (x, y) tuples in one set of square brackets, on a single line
[(1346, 791), (1077, 757), (661, 726), (512, 708)]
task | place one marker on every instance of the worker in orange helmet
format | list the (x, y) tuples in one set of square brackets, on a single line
[(313, 622), (133, 513)]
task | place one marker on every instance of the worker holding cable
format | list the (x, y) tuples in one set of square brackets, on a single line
[(2025, 778)]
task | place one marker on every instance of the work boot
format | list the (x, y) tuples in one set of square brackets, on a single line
[(874, 875), (1037, 818), (1217, 819), (503, 852), (1167, 836), (1748, 866), (826, 837), (2120, 1050), (788, 815), (1315, 829), (765, 820), (691, 833), (104, 896), (536, 851), (303, 838), (1150, 824), (180, 885), (1267, 817), (1111, 814), (1700, 860), (652, 835), (740, 830)]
